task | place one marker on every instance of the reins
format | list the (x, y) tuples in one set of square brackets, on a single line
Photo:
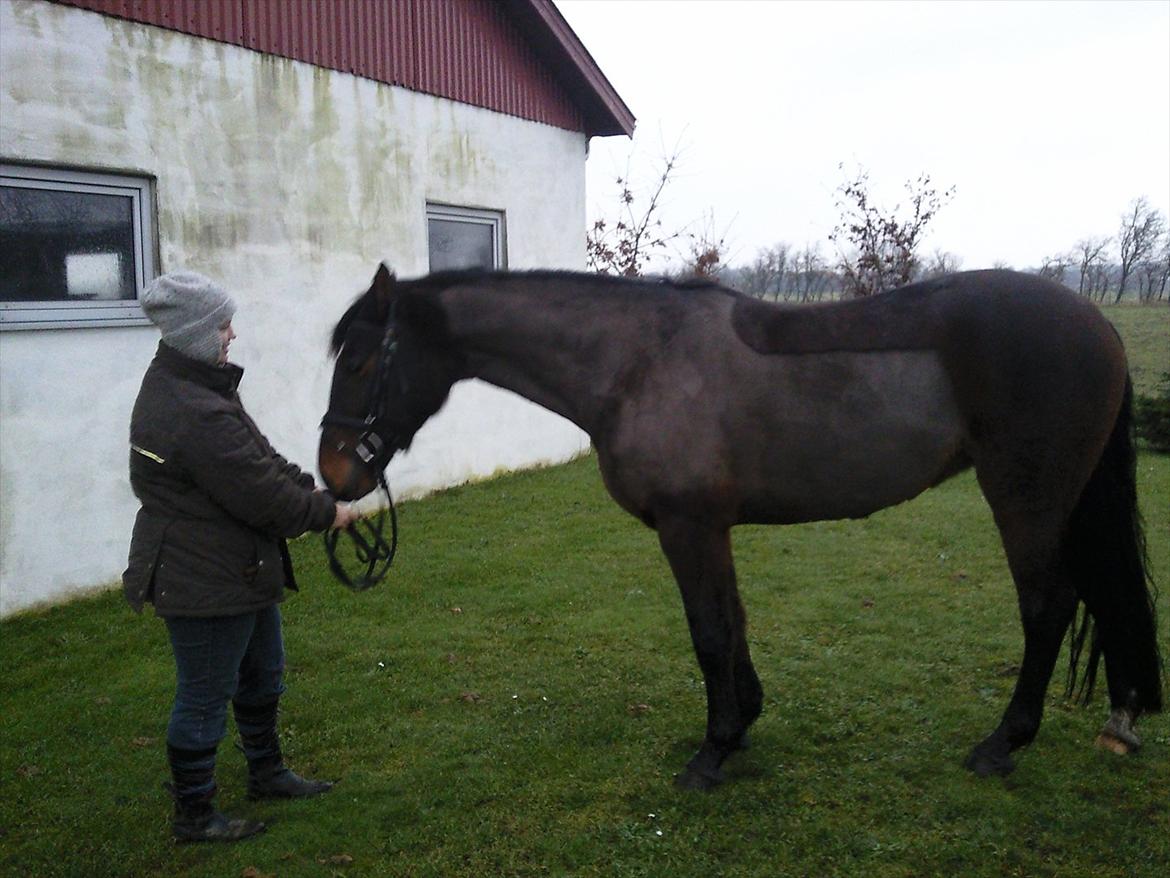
[(373, 553)]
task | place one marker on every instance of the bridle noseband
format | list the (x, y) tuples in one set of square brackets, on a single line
[(370, 448), (367, 534)]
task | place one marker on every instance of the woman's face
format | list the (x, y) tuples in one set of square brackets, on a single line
[(226, 334)]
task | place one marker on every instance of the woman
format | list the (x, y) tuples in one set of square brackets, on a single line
[(209, 551)]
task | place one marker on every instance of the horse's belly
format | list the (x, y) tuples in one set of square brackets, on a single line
[(843, 435)]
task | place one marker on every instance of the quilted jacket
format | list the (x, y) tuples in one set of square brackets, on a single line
[(217, 500)]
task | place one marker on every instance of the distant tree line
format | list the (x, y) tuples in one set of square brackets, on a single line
[(872, 248), (882, 252), (1136, 260)]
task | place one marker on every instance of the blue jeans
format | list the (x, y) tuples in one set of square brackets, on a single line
[(217, 660)]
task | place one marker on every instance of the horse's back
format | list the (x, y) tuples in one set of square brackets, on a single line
[(1003, 336), (927, 315)]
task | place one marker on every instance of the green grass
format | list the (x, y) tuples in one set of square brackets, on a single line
[(515, 699), (1146, 332)]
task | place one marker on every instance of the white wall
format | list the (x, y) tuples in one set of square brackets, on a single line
[(288, 183)]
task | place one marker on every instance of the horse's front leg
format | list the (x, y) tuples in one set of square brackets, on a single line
[(700, 557)]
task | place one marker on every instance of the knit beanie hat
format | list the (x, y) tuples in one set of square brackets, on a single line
[(189, 309)]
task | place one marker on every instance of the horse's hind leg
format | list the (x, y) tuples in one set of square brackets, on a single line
[(1047, 599), (700, 557)]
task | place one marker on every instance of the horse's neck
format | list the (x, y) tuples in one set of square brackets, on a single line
[(558, 351)]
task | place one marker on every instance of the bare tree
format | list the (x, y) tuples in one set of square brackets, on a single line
[(1163, 269), (625, 245), (810, 275), (1056, 267), (878, 248), (1100, 280), (941, 263), (1089, 254), (1153, 274), (1141, 228), (766, 277)]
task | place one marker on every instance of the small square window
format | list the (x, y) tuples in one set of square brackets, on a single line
[(462, 237), (76, 247)]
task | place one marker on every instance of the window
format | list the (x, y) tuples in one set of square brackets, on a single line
[(460, 237), (75, 248)]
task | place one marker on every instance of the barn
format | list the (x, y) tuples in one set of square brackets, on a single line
[(284, 147)]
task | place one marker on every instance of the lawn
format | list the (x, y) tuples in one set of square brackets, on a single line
[(1146, 332), (515, 699)]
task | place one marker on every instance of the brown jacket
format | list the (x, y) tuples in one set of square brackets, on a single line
[(217, 500)]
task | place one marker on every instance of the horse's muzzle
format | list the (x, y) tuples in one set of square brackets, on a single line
[(346, 475)]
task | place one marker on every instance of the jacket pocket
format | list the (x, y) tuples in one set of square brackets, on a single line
[(270, 574), (145, 546)]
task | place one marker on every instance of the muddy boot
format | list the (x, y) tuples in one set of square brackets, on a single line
[(268, 776), (193, 787)]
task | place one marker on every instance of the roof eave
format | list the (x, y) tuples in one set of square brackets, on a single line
[(605, 112)]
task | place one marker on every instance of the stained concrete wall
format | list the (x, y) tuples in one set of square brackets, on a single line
[(288, 183)]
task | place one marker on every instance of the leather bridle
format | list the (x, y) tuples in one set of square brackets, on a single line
[(373, 450), (372, 444)]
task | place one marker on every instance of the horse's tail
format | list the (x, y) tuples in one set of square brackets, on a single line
[(1106, 552)]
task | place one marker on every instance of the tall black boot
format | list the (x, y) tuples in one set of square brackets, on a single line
[(268, 776), (193, 786)]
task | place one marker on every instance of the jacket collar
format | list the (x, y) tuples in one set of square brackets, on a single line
[(223, 379)]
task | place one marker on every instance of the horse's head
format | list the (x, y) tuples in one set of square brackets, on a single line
[(394, 369)]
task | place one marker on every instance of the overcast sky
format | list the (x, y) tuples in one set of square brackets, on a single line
[(1048, 118)]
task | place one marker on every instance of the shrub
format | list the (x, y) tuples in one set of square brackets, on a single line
[(1152, 416)]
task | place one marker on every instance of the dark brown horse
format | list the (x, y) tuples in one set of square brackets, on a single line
[(710, 409)]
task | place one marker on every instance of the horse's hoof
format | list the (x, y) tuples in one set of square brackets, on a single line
[(1113, 744), (1119, 736), (986, 765), (692, 779)]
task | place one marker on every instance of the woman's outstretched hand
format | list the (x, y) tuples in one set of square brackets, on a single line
[(346, 515)]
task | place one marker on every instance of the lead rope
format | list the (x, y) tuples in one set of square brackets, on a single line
[(370, 547)]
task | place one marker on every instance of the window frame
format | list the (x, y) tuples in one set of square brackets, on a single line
[(61, 314), (495, 219)]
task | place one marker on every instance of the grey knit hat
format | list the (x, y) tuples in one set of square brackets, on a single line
[(189, 309)]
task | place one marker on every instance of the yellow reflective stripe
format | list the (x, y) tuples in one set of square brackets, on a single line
[(146, 453)]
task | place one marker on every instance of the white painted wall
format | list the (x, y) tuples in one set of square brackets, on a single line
[(288, 183)]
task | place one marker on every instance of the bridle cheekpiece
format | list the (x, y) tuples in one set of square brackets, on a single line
[(370, 546)]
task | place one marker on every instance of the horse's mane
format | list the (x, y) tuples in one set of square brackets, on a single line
[(347, 320), (441, 280), (444, 279)]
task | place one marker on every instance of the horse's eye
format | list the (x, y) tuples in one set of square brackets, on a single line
[(353, 358), (360, 344)]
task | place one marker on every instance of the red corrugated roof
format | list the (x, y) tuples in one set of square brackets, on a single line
[(514, 56)]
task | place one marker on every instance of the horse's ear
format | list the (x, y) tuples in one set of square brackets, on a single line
[(422, 313), (383, 290)]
